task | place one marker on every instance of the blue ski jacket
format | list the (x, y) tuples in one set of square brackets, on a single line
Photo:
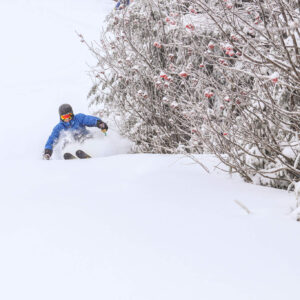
[(76, 125)]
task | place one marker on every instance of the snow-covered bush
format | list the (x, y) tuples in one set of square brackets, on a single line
[(148, 64), (258, 132), (206, 76)]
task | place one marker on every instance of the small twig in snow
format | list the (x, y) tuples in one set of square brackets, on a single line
[(243, 206), (198, 162)]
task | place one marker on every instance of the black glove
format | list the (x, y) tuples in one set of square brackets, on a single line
[(47, 154), (102, 125)]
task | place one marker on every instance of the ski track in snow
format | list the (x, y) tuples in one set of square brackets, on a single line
[(120, 226)]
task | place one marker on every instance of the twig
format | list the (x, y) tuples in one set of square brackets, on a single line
[(243, 206)]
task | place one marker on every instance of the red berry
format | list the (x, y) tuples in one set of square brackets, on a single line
[(211, 45), (183, 74), (190, 26), (275, 77), (223, 62), (164, 76), (208, 94)]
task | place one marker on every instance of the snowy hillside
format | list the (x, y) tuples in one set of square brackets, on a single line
[(120, 226), (142, 227)]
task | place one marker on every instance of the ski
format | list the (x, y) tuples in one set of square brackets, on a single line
[(68, 156), (82, 155), (79, 154)]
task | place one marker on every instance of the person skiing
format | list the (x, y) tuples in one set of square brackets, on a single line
[(74, 123), (122, 4)]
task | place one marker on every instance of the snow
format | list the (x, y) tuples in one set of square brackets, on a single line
[(142, 227), (119, 226), (99, 145)]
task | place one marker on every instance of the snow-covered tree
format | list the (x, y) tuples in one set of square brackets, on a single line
[(147, 71), (206, 76), (258, 132)]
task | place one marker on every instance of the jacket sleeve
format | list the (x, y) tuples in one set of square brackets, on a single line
[(89, 121), (53, 137)]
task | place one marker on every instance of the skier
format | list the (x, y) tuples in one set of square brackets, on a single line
[(73, 123), (122, 4)]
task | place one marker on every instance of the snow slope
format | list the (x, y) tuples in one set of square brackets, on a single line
[(119, 226), (142, 227)]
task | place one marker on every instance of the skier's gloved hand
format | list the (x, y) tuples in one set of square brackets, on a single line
[(47, 154), (102, 125)]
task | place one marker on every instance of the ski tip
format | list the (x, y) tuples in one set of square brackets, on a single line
[(68, 156), (82, 155)]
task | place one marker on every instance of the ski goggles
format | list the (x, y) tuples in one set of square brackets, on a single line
[(65, 117)]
